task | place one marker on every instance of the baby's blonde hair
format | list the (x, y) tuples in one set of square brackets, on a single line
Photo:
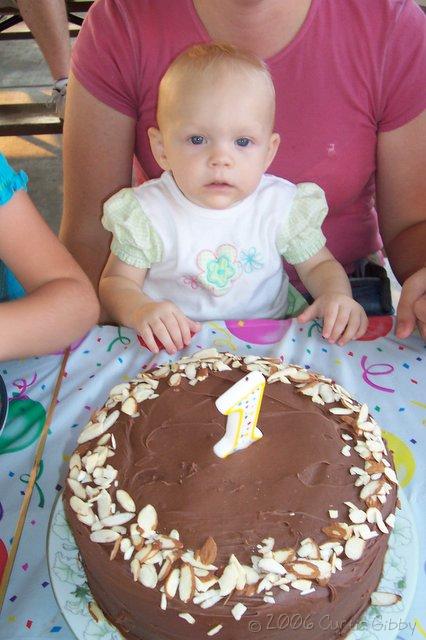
[(213, 58)]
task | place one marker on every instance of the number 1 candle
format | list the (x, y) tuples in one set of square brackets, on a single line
[(241, 403)]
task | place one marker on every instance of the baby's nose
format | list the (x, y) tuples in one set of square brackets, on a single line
[(220, 156)]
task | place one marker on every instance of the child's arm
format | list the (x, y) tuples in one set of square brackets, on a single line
[(61, 304), (120, 291), (327, 282)]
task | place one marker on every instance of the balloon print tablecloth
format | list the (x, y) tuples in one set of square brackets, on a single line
[(388, 374)]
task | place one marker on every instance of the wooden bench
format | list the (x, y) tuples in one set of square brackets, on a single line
[(28, 119), (24, 119), (13, 18)]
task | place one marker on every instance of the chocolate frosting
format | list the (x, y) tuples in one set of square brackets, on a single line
[(282, 486)]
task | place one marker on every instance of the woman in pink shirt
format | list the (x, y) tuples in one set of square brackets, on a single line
[(350, 77)]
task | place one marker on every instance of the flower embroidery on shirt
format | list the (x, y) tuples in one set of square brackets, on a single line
[(251, 260), (219, 269), (190, 281)]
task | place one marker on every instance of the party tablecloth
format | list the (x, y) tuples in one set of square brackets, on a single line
[(389, 375)]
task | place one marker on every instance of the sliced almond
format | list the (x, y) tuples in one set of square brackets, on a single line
[(91, 431), (341, 411), (270, 565), (146, 553), (148, 576), (206, 595), (384, 599), (135, 568), (147, 520), (337, 531), (309, 549), (302, 585), (372, 467), (104, 536), (79, 506), (357, 516), (284, 555), (77, 489), (75, 461), (238, 610), (168, 543), (187, 617), (172, 583), (303, 569), (391, 475), (119, 389), (228, 579), (186, 583), (211, 602), (363, 414), (129, 406), (89, 518), (115, 548), (117, 519), (142, 392), (252, 577), (354, 548), (166, 567), (208, 552), (95, 611), (215, 630), (175, 379), (371, 489), (162, 371), (125, 500)]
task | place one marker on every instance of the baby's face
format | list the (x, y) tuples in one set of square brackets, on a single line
[(217, 139)]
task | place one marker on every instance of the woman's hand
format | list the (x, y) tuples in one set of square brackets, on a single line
[(344, 319), (166, 322), (412, 306)]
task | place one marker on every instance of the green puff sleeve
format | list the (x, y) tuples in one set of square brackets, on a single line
[(135, 240), (300, 237)]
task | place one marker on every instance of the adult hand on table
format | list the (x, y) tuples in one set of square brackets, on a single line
[(412, 306)]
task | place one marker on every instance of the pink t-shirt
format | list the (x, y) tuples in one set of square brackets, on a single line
[(355, 68)]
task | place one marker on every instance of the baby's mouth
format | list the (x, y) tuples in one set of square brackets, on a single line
[(219, 183)]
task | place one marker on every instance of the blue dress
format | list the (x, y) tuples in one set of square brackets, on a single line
[(10, 181)]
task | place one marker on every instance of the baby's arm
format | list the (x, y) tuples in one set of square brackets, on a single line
[(121, 294), (327, 282), (60, 305)]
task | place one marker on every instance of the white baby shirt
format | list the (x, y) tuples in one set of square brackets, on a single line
[(217, 263)]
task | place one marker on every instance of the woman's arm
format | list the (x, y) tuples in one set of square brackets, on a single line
[(98, 157), (401, 205), (61, 304), (401, 196)]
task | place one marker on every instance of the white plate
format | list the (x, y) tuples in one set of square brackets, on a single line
[(377, 623)]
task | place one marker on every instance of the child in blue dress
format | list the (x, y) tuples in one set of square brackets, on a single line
[(60, 304)]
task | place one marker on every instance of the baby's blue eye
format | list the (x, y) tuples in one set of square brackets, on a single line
[(242, 142), (197, 139)]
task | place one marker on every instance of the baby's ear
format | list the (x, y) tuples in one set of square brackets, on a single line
[(157, 147), (274, 143)]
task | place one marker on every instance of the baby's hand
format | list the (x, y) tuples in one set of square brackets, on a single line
[(166, 322), (344, 319), (412, 306)]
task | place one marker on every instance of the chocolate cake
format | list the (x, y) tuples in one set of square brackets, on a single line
[(283, 539)]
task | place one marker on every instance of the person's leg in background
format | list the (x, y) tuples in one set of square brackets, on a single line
[(47, 20)]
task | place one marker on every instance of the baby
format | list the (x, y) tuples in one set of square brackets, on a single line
[(205, 241)]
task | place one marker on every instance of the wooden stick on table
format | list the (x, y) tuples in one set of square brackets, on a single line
[(30, 486)]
